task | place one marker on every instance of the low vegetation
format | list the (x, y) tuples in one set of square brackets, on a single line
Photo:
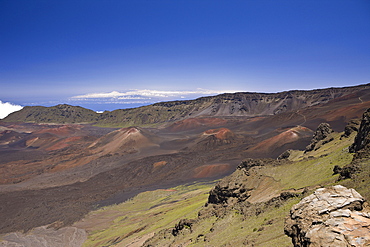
[(147, 213), (153, 218)]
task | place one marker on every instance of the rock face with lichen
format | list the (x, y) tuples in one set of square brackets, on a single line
[(352, 126), (329, 217)]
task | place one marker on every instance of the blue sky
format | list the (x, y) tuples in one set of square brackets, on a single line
[(105, 55)]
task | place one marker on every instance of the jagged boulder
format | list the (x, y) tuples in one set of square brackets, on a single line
[(331, 217), (320, 137), (362, 139), (183, 224)]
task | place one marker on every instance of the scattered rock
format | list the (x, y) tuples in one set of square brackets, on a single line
[(320, 137), (183, 224), (337, 169), (329, 217), (348, 171)]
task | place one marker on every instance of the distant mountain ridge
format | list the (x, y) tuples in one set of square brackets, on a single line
[(223, 105)]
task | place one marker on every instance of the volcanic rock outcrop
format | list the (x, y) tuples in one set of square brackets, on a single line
[(361, 149), (362, 139), (351, 127), (235, 187), (320, 137), (329, 217)]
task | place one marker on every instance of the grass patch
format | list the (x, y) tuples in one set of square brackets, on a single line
[(313, 168), (266, 229), (144, 214), (154, 211)]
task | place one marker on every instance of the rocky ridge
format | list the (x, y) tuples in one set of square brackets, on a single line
[(236, 104), (320, 137), (363, 138), (361, 149)]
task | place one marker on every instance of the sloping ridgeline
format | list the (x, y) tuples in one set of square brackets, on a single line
[(56, 114), (236, 104)]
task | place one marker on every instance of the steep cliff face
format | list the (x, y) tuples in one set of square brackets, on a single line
[(332, 217), (363, 138), (257, 104), (361, 149), (236, 104), (356, 173)]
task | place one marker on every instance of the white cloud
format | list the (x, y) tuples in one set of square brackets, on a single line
[(140, 97), (7, 108), (148, 94)]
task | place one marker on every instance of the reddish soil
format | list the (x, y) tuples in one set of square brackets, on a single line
[(349, 112), (159, 164), (126, 140), (8, 137), (67, 142), (288, 136), (65, 130), (196, 123), (296, 137), (221, 134), (208, 171)]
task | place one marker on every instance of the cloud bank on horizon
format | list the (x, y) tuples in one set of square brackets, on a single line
[(6, 108), (101, 102), (144, 96)]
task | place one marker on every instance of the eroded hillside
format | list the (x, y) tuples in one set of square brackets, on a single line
[(224, 105)]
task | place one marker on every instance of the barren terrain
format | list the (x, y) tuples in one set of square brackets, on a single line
[(57, 173)]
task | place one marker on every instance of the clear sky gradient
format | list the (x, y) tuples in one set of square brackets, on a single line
[(106, 54)]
